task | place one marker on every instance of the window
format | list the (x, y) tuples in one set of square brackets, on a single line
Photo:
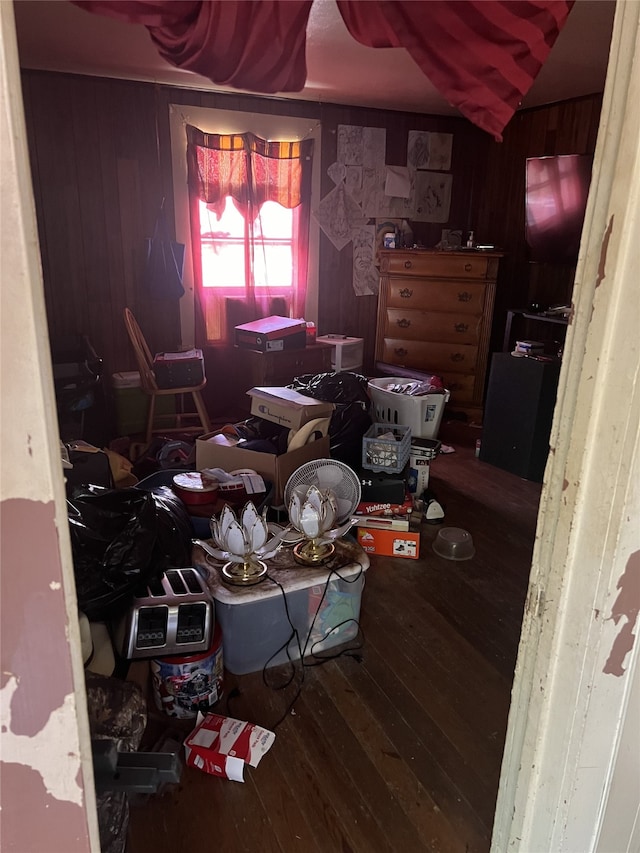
[(223, 248), (249, 203)]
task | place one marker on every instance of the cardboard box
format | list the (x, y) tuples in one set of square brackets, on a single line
[(389, 543), (287, 407), (272, 333), (221, 746), (217, 450)]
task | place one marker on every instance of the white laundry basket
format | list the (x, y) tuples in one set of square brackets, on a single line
[(422, 414)]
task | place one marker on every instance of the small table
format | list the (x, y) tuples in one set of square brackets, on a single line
[(527, 315)]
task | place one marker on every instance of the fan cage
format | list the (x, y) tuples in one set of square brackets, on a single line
[(327, 474)]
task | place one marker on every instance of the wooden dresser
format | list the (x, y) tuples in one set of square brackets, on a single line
[(434, 314)]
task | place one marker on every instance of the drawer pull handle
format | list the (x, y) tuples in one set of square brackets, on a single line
[(404, 324), (465, 296), (468, 267), (408, 265), (400, 352), (457, 356), (461, 327), (405, 293)]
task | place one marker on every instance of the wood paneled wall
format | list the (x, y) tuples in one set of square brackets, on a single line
[(101, 164), (569, 127)]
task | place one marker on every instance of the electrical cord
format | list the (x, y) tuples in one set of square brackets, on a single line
[(319, 659)]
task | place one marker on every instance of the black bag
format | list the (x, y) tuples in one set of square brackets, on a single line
[(165, 261), (120, 540)]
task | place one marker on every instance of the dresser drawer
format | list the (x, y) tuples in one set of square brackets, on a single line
[(462, 387), (436, 264), (457, 297), (431, 326), (431, 357)]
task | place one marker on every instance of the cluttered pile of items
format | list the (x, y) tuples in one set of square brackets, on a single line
[(256, 556)]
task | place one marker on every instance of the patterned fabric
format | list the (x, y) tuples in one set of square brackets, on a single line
[(482, 55), (251, 171), (247, 168)]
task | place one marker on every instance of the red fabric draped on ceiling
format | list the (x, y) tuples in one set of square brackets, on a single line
[(482, 55)]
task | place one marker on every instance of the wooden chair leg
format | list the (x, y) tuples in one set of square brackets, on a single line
[(150, 417), (202, 412)]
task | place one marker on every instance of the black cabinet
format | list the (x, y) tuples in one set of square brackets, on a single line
[(518, 414)]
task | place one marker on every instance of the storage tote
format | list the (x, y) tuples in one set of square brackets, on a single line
[(323, 606), (423, 414)]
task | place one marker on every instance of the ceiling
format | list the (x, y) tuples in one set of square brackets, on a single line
[(55, 35)]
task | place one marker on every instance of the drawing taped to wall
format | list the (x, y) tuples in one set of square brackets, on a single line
[(365, 272), (337, 172), (350, 148), (432, 197), (374, 145), (338, 215), (353, 179), (440, 146), (429, 150)]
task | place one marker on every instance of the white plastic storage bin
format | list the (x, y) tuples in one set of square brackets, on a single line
[(254, 622), (348, 353), (423, 415)]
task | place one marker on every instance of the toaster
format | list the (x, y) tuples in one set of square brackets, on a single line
[(173, 615)]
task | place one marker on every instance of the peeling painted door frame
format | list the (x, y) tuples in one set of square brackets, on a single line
[(566, 784), (48, 795)]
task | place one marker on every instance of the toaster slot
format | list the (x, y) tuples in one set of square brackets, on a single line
[(176, 582), (191, 623), (190, 577), (156, 587)]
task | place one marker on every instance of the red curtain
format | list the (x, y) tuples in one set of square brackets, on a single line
[(482, 55), (251, 171)]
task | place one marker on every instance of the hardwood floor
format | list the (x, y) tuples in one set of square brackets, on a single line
[(395, 747)]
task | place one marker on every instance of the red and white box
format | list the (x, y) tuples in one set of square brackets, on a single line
[(221, 746), (272, 334), (389, 543)]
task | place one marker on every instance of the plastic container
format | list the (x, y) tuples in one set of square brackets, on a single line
[(254, 622), (348, 353), (132, 404), (184, 684), (386, 447), (423, 415), (199, 523), (423, 452), (454, 543)]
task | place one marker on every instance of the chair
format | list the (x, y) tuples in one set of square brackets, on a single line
[(150, 387)]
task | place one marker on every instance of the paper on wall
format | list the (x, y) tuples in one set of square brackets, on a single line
[(432, 196), (366, 278), (338, 214), (429, 150), (350, 148), (397, 182)]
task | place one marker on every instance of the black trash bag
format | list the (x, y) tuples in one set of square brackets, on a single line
[(120, 540), (333, 387), (351, 418)]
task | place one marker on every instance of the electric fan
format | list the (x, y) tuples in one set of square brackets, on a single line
[(321, 497)]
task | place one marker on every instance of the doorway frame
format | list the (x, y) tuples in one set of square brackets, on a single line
[(565, 783)]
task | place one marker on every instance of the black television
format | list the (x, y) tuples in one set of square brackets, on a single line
[(555, 202)]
